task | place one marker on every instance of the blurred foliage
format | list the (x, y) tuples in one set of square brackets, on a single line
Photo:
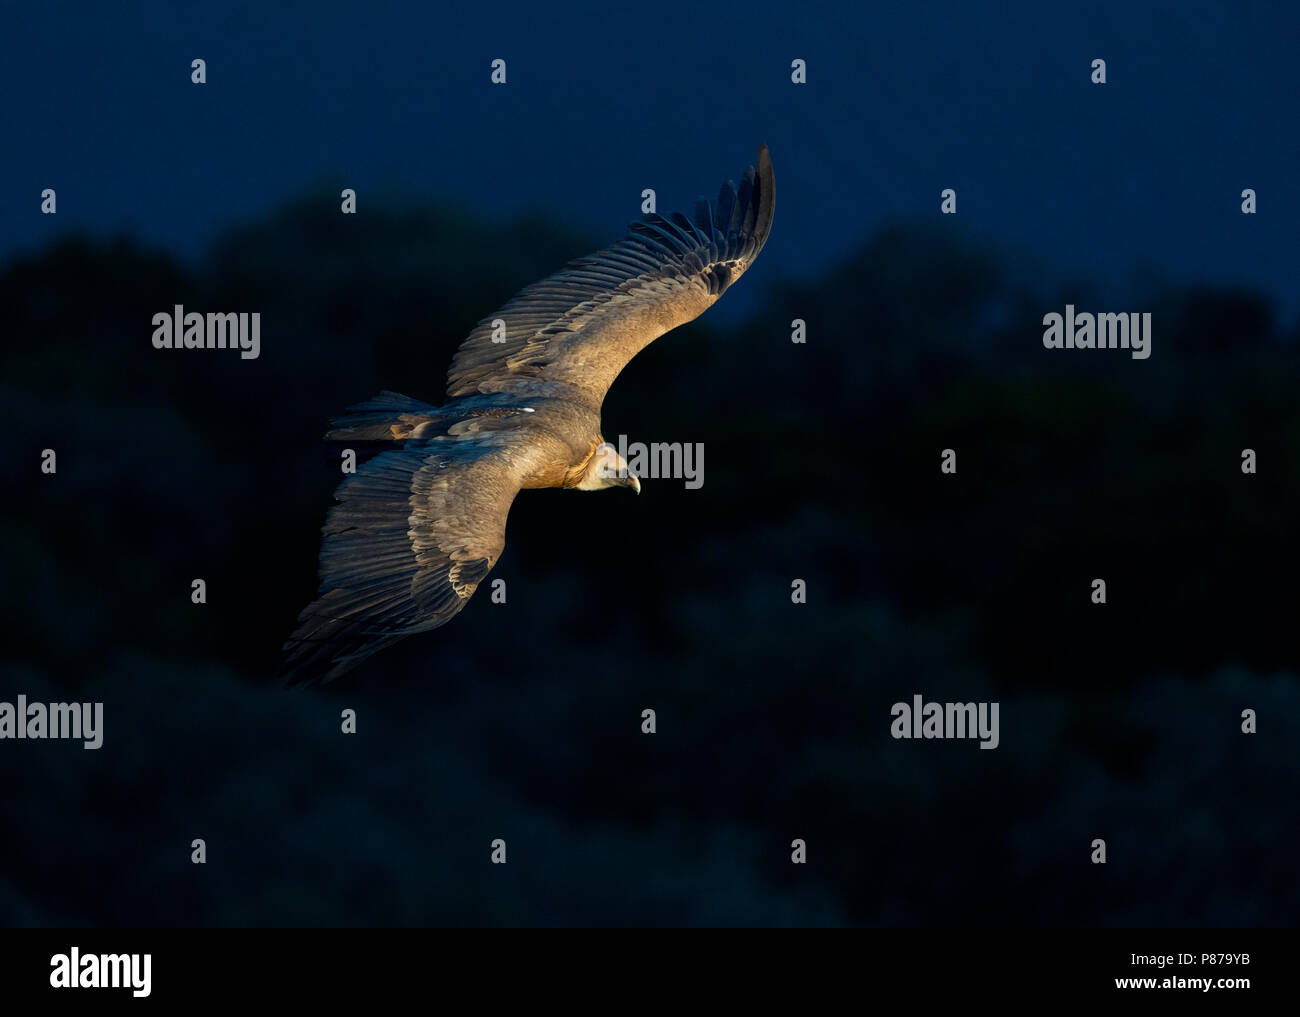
[(522, 721)]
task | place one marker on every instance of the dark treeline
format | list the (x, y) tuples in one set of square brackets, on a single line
[(522, 721)]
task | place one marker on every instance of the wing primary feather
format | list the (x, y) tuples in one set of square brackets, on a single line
[(726, 201), (704, 217), (741, 206)]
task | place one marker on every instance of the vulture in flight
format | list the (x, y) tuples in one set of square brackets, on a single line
[(419, 526)]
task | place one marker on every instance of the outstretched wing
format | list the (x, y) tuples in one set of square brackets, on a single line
[(582, 325), (413, 534)]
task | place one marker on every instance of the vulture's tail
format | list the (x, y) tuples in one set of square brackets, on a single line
[(390, 416)]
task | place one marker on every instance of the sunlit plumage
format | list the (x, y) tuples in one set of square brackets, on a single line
[(418, 527)]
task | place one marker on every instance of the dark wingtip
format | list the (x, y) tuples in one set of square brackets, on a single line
[(765, 188)]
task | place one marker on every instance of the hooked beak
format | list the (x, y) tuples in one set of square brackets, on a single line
[(635, 485)]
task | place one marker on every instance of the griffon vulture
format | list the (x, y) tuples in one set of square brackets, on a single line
[(418, 527)]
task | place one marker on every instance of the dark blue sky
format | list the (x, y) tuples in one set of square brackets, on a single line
[(605, 99)]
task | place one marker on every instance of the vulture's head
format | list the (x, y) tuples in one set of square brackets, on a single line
[(608, 469)]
